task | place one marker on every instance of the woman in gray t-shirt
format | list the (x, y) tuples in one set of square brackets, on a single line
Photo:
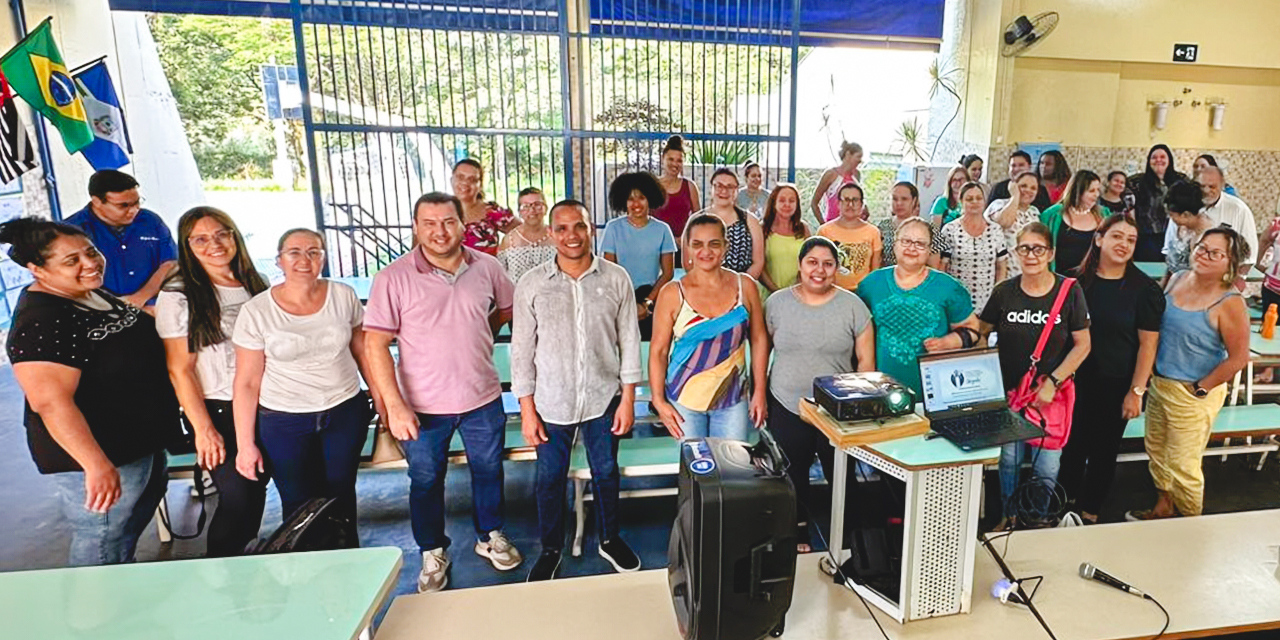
[(817, 329)]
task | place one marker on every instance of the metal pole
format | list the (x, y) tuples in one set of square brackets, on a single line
[(42, 140), (795, 86), (308, 126)]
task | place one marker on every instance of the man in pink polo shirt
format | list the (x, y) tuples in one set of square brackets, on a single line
[(443, 302)]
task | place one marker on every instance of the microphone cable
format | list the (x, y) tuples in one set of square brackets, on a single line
[(1165, 628)]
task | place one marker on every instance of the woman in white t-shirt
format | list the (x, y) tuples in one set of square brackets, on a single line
[(299, 356), (195, 314)]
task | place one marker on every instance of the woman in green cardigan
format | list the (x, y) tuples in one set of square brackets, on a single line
[(1074, 220)]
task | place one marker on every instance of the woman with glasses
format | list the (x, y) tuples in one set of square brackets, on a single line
[(946, 207), (698, 357), (196, 314), (745, 251), (100, 408), (484, 220), (816, 329), (1012, 214), (784, 234), (1074, 220), (299, 358), (638, 242), (1204, 342), (529, 244), (973, 250), (1017, 311), (904, 204), (917, 309), (858, 241), (752, 197), (1125, 307)]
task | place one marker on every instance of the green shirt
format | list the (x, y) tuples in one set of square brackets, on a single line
[(940, 209), (904, 319)]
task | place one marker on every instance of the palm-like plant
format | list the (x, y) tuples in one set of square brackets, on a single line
[(943, 79), (910, 140)]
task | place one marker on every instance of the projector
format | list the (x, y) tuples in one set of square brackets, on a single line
[(862, 396)]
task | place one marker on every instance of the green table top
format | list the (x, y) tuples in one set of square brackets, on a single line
[(1262, 346), (323, 595), (1237, 419), (1154, 269), (916, 451)]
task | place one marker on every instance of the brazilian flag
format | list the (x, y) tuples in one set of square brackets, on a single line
[(37, 74)]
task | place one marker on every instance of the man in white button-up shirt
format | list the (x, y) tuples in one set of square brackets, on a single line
[(575, 363)]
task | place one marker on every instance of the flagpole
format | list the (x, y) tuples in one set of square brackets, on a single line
[(42, 140)]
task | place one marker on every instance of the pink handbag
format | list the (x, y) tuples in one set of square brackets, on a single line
[(1055, 417)]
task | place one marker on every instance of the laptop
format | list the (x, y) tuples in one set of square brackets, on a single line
[(965, 402)]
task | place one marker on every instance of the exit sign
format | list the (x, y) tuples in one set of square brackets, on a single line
[(1185, 52)]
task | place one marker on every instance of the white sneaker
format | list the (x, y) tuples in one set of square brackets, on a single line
[(499, 550), (435, 571)]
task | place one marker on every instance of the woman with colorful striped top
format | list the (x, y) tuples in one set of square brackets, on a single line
[(698, 354)]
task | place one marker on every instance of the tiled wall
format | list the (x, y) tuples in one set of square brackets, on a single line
[(1253, 173)]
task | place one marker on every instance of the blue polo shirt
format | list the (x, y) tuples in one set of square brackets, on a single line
[(133, 252)]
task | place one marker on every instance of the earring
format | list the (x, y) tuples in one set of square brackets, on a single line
[(1228, 278)]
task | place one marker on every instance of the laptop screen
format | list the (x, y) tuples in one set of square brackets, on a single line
[(961, 380)]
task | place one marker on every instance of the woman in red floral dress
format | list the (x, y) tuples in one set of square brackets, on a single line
[(484, 220)]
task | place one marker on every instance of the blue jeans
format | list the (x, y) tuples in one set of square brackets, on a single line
[(316, 455), (731, 423), (112, 537), (482, 432), (1045, 468), (553, 470)]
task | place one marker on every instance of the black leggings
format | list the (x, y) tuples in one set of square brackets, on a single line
[(240, 500), (1097, 427), (800, 441), (646, 325)]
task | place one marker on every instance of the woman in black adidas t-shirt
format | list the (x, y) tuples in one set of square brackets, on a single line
[(100, 408), (1017, 312)]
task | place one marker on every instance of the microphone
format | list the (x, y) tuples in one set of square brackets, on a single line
[(1090, 572)]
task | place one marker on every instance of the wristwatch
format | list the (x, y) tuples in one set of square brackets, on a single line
[(1057, 384), (1139, 391), (1200, 391)]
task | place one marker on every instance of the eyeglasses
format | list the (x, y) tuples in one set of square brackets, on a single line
[(221, 237), (1037, 250), (468, 179), (533, 206), (851, 200), (127, 206), (908, 243), (1212, 254), (298, 254)]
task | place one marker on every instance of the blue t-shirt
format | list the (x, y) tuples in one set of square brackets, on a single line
[(904, 319), (133, 252), (639, 251)]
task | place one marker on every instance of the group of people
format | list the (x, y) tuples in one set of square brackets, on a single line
[(268, 379)]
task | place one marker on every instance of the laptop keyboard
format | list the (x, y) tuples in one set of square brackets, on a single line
[(975, 425)]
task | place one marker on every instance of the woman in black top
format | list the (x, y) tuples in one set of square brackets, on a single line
[(100, 409), (1125, 307), (744, 233), (1113, 195), (1018, 310), (1148, 189)]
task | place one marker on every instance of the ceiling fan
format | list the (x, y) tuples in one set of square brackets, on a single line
[(1023, 33)]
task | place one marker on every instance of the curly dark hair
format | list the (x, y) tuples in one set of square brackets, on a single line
[(641, 181)]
